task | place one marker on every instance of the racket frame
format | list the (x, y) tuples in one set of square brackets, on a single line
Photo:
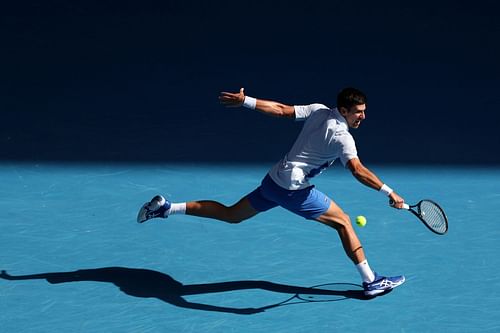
[(411, 208)]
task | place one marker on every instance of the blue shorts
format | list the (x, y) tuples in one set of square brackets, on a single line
[(308, 203)]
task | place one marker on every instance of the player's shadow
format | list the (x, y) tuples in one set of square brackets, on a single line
[(152, 284)]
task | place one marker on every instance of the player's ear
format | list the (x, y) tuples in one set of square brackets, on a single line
[(343, 111)]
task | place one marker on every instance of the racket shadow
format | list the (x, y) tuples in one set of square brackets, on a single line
[(147, 283)]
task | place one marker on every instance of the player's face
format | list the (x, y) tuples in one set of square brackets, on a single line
[(355, 115)]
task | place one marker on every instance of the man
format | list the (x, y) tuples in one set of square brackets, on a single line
[(324, 138)]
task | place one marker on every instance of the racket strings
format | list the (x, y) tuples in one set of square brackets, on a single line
[(433, 216)]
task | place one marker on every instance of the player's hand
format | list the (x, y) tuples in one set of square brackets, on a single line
[(396, 201), (232, 99)]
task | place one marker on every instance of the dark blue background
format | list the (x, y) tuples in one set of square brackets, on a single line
[(138, 81)]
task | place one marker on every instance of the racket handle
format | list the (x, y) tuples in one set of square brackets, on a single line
[(405, 205)]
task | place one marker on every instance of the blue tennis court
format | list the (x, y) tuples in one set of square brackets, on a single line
[(75, 260)]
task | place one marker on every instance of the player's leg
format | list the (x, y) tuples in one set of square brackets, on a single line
[(315, 205), (236, 213), (160, 207), (336, 218), (373, 283), (245, 208)]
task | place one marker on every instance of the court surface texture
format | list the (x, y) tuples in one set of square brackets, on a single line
[(75, 260)]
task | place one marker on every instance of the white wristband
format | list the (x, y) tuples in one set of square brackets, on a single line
[(250, 102), (386, 189)]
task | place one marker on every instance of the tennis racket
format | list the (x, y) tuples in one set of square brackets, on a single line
[(431, 215)]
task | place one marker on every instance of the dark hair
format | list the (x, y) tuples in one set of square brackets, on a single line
[(349, 97)]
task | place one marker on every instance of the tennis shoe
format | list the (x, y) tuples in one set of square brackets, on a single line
[(155, 208), (382, 284)]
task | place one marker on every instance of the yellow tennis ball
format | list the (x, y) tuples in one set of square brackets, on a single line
[(361, 220)]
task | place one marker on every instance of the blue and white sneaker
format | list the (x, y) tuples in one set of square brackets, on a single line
[(155, 208), (382, 284)]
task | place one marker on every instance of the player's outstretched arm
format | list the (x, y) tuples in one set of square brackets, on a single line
[(270, 108), (368, 178)]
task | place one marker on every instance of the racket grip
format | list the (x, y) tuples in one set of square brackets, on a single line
[(405, 205)]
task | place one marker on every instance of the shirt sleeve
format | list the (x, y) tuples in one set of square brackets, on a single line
[(302, 112), (349, 150)]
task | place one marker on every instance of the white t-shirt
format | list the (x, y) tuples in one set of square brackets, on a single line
[(324, 138)]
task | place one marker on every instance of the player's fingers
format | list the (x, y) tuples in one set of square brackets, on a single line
[(396, 203), (227, 94), (228, 101)]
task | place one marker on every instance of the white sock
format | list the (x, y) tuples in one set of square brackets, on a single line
[(365, 271), (176, 208)]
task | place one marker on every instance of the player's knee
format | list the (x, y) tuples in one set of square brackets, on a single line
[(233, 217), (342, 221), (346, 221), (235, 214)]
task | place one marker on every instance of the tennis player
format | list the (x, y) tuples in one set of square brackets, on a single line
[(324, 138)]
